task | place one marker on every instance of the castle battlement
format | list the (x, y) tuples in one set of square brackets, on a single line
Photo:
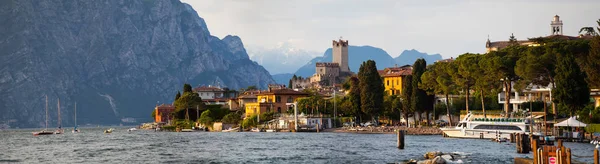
[(340, 43)]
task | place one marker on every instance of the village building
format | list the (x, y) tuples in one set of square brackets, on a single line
[(393, 78), (209, 92), (273, 100), (162, 113)]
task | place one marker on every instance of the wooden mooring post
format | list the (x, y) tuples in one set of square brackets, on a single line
[(596, 158), (534, 148), (523, 144), (512, 137), (401, 139)]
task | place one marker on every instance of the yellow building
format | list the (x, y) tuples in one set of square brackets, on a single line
[(393, 77), (274, 100)]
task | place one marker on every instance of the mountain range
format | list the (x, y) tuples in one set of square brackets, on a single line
[(283, 58), (116, 58), (358, 54)]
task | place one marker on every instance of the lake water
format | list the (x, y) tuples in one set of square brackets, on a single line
[(92, 146)]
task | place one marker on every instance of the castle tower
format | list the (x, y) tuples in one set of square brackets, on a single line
[(557, 26), (340, 54)]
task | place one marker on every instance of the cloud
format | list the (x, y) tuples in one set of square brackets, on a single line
[(437, 26)]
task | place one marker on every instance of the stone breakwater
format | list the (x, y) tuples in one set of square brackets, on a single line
[(390, 130)]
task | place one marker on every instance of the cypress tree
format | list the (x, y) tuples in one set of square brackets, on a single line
[(178, 95), (354, 97), (371, 89), (419, 96), (187, 88), (572, 90)]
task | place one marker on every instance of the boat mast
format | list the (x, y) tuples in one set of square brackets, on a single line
[(46, 112), (59, 122), (75, 114)]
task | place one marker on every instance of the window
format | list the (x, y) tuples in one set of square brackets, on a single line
[(278, 109), (498, 127), (388, 82), (277, 98), (290, 99)]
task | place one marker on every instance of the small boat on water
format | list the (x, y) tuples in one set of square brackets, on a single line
[(231, 130), (75, 130), (132, 129), (45, 131), (108, 130), (255, 130), (270, 130), (487, 128)]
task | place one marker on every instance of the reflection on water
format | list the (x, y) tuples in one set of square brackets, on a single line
[(150, 147)]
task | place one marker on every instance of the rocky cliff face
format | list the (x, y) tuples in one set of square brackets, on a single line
[(116, 58)]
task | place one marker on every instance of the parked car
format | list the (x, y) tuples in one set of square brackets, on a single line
[(368, 124), (441, 122)]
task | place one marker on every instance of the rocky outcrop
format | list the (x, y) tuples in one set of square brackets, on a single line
[(115, 58)]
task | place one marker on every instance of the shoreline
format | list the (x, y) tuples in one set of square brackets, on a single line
[(389, 130)]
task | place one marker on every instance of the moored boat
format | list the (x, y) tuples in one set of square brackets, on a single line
[(487, 128), (45, 131), (231, 130), (108, 130)]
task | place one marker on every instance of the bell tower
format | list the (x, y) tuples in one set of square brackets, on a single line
[(557, 26)]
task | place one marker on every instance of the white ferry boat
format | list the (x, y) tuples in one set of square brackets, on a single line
[(488, 128)]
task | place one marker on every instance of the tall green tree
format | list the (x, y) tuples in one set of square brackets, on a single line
[(354, 98), (486, 81), (572, 90), (177, 96), (407, 90), (512, 40), (438, 80), (187, 88), (372, 90), (503, 62), (419, 96), (189, 101), (467, 68)]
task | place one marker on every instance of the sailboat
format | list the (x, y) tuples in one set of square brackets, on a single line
[(45, 131), (59, 130), (75, 130)]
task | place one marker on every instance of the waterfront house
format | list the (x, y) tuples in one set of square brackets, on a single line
[(162, 113), (393, 77), (285, 121), (273, 100), (209, 92)]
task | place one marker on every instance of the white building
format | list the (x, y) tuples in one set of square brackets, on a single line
[(210, 92)]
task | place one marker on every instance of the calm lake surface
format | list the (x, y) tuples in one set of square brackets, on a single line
[(92, 146)]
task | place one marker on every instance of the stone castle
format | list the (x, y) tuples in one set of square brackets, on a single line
[(328, 73)]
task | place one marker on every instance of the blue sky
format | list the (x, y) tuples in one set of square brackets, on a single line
[(447, 27)]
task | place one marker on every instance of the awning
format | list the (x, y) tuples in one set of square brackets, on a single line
[(571, 122)]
